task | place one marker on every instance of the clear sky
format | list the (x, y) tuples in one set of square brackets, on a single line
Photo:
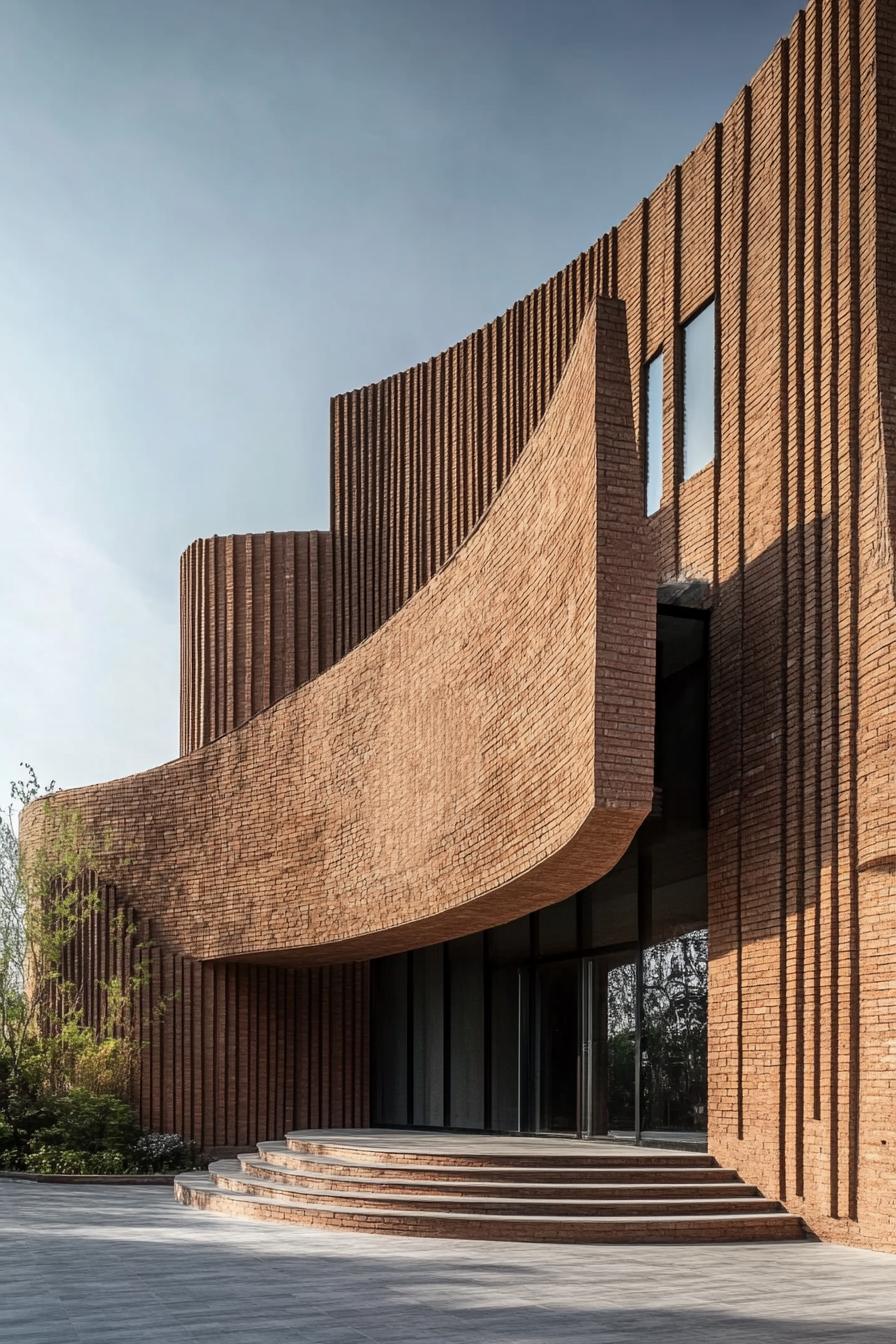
[(214, 214)]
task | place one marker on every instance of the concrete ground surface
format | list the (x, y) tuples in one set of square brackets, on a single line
[(82, 1263)]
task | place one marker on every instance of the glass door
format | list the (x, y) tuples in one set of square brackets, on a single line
[(557, 1054), (610, 1031)]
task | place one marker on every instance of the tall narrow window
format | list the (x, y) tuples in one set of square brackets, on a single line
[(655, 433), (700, 390)]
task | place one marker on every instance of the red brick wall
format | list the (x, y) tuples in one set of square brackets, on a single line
[(256, 622), (230, 1054), (785, 213), (486, 751)]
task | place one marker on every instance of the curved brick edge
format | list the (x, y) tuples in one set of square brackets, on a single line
[(345, 1168), (203, 1194), (485, 752), (397, 1157), (540, 1184)]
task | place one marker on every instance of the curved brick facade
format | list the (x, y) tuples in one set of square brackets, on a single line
[(474, 465), (488, 750)]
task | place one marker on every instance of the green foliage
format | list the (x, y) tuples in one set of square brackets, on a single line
[(64, 1082), (673, 1036), (55, 1161), (91, 1123), (165, 1152)]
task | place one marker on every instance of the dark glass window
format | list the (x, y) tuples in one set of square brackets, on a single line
[(467, 1031), (429, 1036), (509, 942), (610, 906), (673, 1034), (509, 1006), (700, 390), (620, 1039), (557, 926), (556, 1055), (654, 433), (389, 993)]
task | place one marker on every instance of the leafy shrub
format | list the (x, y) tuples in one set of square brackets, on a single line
[(58, 1161), (74, 1056), (85, 1133), (64, 1083), (8, 1147), (87, 1122), (164, 1152)]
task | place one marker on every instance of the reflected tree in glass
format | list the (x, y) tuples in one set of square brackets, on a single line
[(621, 1046), (673, 1034)]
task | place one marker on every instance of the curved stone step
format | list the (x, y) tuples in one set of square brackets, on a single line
[(271, 1168), (394, 1155), (199, 1190), (619, 1170), (230, 1175)]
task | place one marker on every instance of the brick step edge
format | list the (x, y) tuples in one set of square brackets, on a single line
[(289, 1175), (241, 1183), (301, 1161), (396, 1157), (198, 1191)]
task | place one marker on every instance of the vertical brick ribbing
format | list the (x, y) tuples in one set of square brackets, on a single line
[(257, 619), (416, 459), (225, 1045), (778, 214), (784, 214)]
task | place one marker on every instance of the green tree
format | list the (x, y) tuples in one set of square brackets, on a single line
[(47, 1049)]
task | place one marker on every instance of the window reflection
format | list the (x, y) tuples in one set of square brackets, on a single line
[(655, 433), (700, 390), (673, 1034)]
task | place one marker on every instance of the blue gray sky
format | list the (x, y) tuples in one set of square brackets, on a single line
[(214, 214)]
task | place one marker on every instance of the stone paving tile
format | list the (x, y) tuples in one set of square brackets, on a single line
[(84, 1265)]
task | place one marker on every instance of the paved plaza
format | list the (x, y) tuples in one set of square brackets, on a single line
[(81, 1263)]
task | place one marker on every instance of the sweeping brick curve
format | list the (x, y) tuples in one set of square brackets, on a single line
[(488, 750)]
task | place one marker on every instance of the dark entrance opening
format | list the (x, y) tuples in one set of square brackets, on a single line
[(588, 1017), (557, 1009)]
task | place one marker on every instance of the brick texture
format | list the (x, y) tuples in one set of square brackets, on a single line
[(486, 751), (256, 622), (473, 537)]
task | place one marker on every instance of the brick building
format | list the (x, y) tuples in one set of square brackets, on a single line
[(552, 789)]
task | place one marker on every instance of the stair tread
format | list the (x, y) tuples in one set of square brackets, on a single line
[(516, 1148), (718, 1188), (589, 1153), (200, 1181), (434, 1200), (446, 1169)]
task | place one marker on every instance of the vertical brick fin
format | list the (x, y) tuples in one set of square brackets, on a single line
[(786, 213), (815, 545), (854, 146), (832, 697), (624, 696), (257, 621), (795, 527), (416, 460), (673, 372), (784, 528), (225, 1063)]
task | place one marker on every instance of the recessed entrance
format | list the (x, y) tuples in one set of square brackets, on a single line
[(557, 1050), (589, 1017)]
